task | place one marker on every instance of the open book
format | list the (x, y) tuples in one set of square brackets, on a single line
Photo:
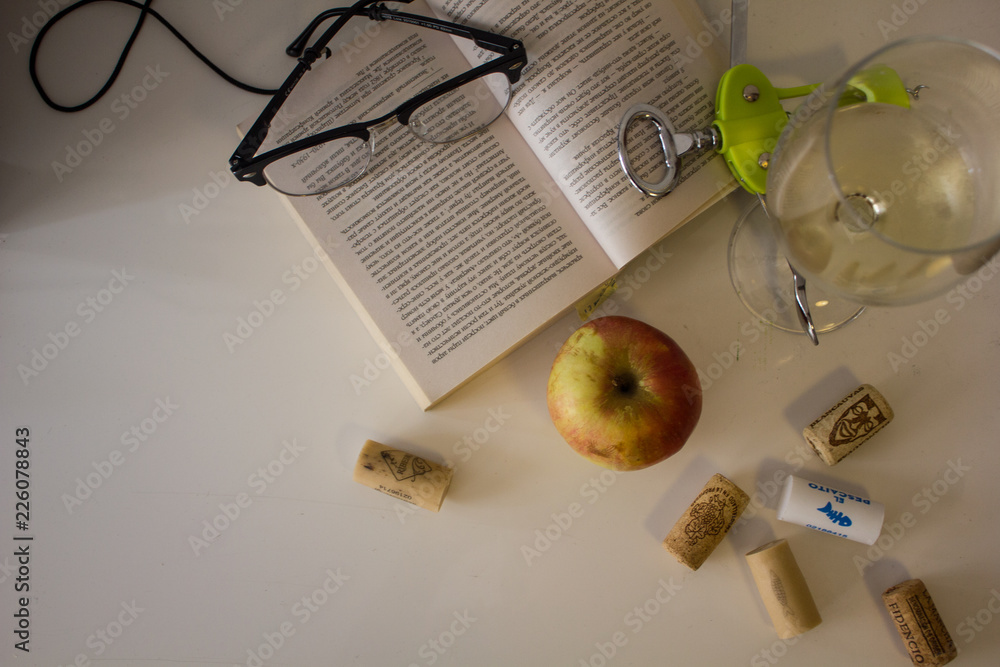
[(455, 254)]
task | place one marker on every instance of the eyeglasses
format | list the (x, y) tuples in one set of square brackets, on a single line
[(449, 111)]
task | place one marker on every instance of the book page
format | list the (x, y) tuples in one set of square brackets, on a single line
[(452, 253), (589, 62)]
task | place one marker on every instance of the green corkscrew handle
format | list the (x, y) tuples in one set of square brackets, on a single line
[(749, 116)]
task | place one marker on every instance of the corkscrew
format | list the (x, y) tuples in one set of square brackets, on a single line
[(749, 118)]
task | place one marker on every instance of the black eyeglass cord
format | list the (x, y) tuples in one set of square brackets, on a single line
[(144, 10)]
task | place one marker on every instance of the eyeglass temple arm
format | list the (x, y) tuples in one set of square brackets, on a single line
[(255, 136), (258, 132), (298, 46), (486, 40), (482, 38)]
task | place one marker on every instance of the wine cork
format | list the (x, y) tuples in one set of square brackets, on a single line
[(783, 589), (828, 510), (853, 420), (706, 521), (402, 475), (920, 626)]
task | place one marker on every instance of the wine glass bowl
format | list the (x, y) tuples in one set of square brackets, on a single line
[(883, 186)]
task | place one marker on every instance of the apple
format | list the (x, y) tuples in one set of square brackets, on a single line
[(623, 394)]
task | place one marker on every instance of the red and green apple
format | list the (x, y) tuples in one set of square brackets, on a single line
[(623, 394)]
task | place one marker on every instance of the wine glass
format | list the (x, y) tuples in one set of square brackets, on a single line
[(883, 188)]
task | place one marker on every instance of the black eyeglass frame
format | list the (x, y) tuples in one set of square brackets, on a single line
[(247, 166)]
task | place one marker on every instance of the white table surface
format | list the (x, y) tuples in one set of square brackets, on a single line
[(129, 270)]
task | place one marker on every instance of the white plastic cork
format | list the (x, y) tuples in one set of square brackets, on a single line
[(829, 510)]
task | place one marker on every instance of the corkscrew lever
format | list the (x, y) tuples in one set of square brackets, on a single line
[(749, 117), (802, 304)]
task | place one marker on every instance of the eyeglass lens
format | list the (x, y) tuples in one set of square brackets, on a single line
[(450, 117), (321, 168), (463, 111)]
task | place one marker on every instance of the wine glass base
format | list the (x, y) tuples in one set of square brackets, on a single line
[(763, 280)]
